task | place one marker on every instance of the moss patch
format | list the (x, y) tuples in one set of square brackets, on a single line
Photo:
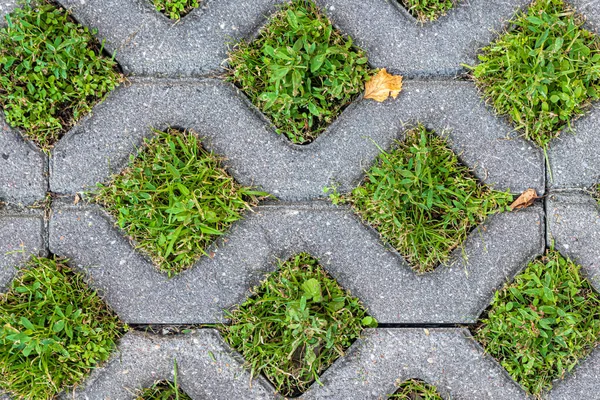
[(175, 9), (175, 199), (544, 72), (428, 10), (300, 71), (422, 200), (53, 72), (53, 330), (540, 325), (415, 389), (298, 322)]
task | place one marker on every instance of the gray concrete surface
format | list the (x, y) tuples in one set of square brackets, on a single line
[(574, 227), (206, 369), (350, 251), (101, 145)]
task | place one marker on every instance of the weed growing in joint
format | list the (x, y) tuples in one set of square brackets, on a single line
[(415, 389), (542, 73), (300, 71), (540, 325), (175, 9), (422, 200), (428, 10), (53, 330), (175, 199), (298, 322), (53, 72)]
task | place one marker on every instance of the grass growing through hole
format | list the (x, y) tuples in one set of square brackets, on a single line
[(300, 71), (175, 9), (428, 10), (53, 72), (422, 200), (541, 324), (175, 199), (416, 389), (595, 193), (164, 390), (298, 322), (53, 330), (542, 73)]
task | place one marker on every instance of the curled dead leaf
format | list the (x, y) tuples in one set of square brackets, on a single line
[(525, 199), (383, 85)]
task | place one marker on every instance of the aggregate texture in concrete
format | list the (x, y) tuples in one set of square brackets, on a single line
[(206, 369), (23, 168), (102, 144), (574, 229), (148, 43), (21, 236), (348, 250), (574, 158)]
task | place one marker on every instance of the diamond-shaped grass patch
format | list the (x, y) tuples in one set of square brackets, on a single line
[(175, 9), (175, 199), (544, 72), (428, 10), (163, 390), (416, 389), (300, 71), (53, 330), (540, 325), (53, 72), (298, 322), (422, 200)]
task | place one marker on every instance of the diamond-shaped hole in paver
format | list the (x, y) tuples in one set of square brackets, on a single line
[(422, 200), (415, 389), (53, 72), (540, 325), (163, 390), (175, 9), (175, 198), (53, 330), (297, 323), (300, 71), (428, 10), (542, 73)]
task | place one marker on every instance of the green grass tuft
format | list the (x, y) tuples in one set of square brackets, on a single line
[(422, 200), (175, 199), (175, 9), (542, 73), (415, 389), (163, 391), (428, 10), (53, 72), (595, 193), (53, 330), (300, 71), (540, 325), (296, 325)]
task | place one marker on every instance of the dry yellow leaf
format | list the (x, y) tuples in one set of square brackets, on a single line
[(383, 85), (525, 199)]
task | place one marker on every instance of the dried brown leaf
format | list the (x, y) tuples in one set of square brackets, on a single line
[(525, 199), (383, 85)]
